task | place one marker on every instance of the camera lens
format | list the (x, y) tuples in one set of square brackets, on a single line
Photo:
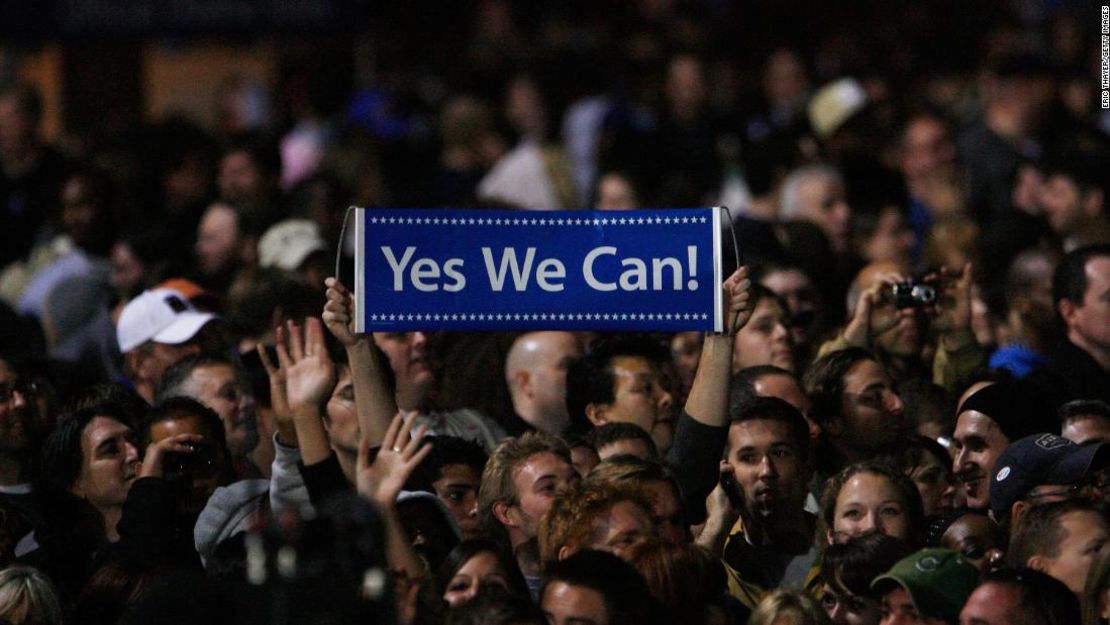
[(924, 294)]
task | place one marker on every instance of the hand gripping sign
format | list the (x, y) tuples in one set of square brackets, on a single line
[(551, 270)]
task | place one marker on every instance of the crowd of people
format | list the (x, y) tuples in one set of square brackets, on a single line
[(906, 419)]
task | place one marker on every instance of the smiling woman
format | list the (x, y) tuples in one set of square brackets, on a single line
[(869, 497)]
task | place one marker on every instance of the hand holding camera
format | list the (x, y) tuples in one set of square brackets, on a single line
[(154, 460), (867, 321), (951, 313)]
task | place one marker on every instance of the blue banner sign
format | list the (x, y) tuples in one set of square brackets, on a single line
[(551, 270)]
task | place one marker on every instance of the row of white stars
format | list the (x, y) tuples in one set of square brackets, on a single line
[(537, 221), (542, 317)]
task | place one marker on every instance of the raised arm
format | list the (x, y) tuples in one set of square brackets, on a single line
[(381, 481), (707, 402), (703, 427), (309, 380), (374, 402)]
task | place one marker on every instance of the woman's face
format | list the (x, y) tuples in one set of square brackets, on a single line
[(481, 569), (846, 608), (869, 502), (765, 339)]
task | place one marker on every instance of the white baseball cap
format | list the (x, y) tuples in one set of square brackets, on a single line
[(288, 243), (159, 315), (834, 104)]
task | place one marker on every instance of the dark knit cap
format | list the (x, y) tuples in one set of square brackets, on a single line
[(1017, 410)]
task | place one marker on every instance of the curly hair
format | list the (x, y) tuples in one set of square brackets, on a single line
[(572, 519)]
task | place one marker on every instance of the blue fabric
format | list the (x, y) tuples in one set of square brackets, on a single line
[(1017, 359)]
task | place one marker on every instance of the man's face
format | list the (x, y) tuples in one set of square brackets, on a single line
[(685, 353), (548, 378), (765, 339), (666, 512), (1062, 202), (342, 422), (979, 442), (564, 604), (409, 359), (872, 412), (1089, 324), (218, 241), (926, 149), (992, 604), (639, 397), (149, 362), (204, 475), (1085, 533), (537, 481), (790, 391), (109, 463), (16, 412), (976, 537), (768, 466), (1086, 428), (626, 526), (457, 487), (220, 388), (904, 337), (898, 609), (823, 204), (239, 177)]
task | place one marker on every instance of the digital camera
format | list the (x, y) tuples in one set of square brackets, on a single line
[(914, 293)]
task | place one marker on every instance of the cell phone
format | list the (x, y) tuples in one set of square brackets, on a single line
[(732, 490)]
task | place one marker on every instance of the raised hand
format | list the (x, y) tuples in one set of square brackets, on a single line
[(309, 371), (339, 313), (951, 315), (865, 323), (401, 451), (738, 303), (279, 400)]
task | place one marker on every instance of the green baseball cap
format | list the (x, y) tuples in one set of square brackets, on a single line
[(938, 581)]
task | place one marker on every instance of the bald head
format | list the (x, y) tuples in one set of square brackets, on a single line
[(871, 274), (902, 337), (536, 372)]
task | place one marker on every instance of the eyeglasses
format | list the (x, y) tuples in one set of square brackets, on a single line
[(26, 388)]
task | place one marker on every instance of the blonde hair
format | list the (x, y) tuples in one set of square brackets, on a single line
[(497, 476), (28, 587), (784, 607)]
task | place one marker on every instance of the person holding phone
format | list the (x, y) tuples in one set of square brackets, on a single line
[(764, 480)]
